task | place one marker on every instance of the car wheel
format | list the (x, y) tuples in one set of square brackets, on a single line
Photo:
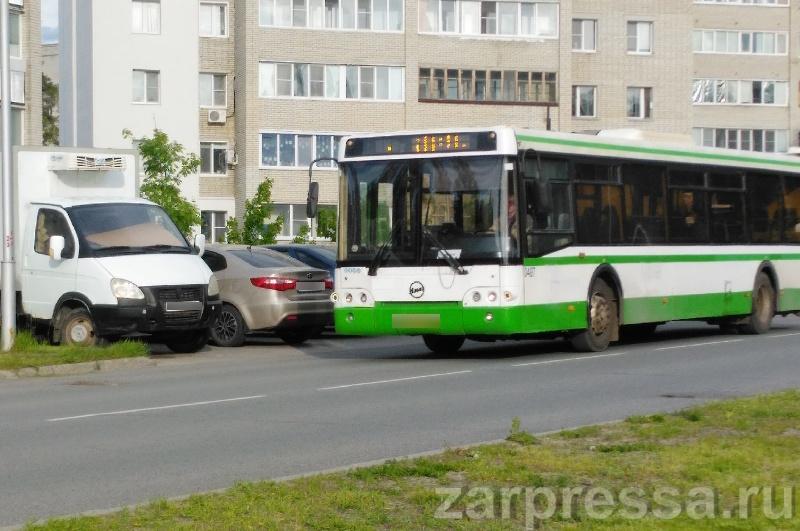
[(229, 328), (443, 345), (78, 328), (188, 342)]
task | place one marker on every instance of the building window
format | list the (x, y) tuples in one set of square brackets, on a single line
[(583, 101), (640, 37), (294, 219), (213, 158), (470, 85), (213, 19), (767, 140), (740, 42), (146, 15), (214, 225), (584, 35), (17, 132), (17, 86), (739, 92), (475, 17), (14, 37), (301, 80), (293, 150), (146, 86), (213, 90), (639, 102), (746, 2), (366, 15)]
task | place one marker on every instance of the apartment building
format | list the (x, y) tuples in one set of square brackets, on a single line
[(259, 88), (26, 72)]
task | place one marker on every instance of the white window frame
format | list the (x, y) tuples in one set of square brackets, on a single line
[(214, 226), (18, 86), (518, 35), (15, 15), (583, 48), (272, 92), (146, 72), (749, 3), (214, 145), (639, 23), (645, 103), (214, 75), (226, 27), (700, 134), (339, 18), (716, 82), (740, 36), (312, 134), (141, 31), (576, 101)]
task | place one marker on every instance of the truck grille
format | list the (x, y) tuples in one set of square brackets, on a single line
[(189, 293), (180, 294)]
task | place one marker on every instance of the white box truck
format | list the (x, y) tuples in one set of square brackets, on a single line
[(94, 261)]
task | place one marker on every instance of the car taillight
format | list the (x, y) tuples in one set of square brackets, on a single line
[(278, 284), (328, 283)]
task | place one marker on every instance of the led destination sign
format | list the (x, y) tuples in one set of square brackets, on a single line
[(421, 144)]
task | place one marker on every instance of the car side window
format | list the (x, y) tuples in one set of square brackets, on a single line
[(215, 261), (52, 223)]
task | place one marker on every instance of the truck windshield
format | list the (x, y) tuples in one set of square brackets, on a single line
[(435, 211), (125, 228)]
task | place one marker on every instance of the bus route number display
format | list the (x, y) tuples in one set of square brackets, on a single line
[(421, 144)]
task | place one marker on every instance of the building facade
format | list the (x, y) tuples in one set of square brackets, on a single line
[(25, 49), (277, 82)]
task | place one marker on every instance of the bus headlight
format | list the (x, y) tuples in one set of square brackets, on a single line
[(363, 298), (213, 287), (125, 289), (348, 298), (334, 297), (492, 296), (476, 297)]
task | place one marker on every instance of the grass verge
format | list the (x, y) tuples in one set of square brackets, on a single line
[(28, 352), (722, 447)]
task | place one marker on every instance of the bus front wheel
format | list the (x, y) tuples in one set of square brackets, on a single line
[(764, 305), (443, 345), (603, 320)]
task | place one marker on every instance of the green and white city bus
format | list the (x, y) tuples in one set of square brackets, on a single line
[(499, 233)]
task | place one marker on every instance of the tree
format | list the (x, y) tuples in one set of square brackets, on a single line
[(257, 210), (49, 107), (303, 235), (165, 166), (326, 223)]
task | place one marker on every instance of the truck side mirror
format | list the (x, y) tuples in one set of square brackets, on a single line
[(57, 244), (313, 200), (200, 244)]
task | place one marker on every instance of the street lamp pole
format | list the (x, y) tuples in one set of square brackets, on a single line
[(8, 312)]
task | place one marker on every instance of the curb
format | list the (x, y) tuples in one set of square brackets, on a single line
[(73, 369)]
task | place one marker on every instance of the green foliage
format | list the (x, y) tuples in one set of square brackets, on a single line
[(30, 352), (517, 435), (49, 107), (257, 210), (166, 164), (304, 235), (326, 223)]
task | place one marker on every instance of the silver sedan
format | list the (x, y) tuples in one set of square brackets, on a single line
[(265, 290)]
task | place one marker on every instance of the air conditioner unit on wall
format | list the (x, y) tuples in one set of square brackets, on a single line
[(217, 116)]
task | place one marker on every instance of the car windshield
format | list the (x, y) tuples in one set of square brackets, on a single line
[(126, 228), (434, 211)]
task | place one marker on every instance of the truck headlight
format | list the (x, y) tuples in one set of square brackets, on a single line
[(124, 289), (213, 287)]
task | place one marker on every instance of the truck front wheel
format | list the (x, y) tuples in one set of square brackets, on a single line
[(78, 328)]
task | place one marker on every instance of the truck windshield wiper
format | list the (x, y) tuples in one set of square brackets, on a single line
[(123, 249), (379, 257), (451, 260), (166, 247)]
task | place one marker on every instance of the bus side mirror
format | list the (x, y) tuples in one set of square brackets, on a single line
[(200, 244), (313, 200), (56, 249)]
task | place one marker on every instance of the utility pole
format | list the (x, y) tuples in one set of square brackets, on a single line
[(8, 310)]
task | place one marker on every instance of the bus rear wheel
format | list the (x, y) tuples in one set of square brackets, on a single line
[(760, 320), (603, 320), (443, 345)]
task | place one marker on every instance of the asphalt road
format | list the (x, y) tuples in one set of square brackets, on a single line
[(202, 422)]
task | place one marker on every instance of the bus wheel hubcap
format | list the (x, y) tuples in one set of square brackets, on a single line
[(600, 314)]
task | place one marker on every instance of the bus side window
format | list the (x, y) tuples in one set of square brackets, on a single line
[(791, 200), (688, 221), (645, 204), (765, 207), (599, 213)]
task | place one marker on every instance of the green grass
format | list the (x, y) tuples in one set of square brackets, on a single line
[(723, 445), (28, 352)]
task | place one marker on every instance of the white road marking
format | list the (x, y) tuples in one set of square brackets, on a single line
[(140, 410), (564, 360), (702, 344), (362, 384), (783, 335)]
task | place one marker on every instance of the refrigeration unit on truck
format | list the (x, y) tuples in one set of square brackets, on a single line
[(94, 261)]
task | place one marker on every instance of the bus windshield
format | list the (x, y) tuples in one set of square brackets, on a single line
[(434, 211)]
